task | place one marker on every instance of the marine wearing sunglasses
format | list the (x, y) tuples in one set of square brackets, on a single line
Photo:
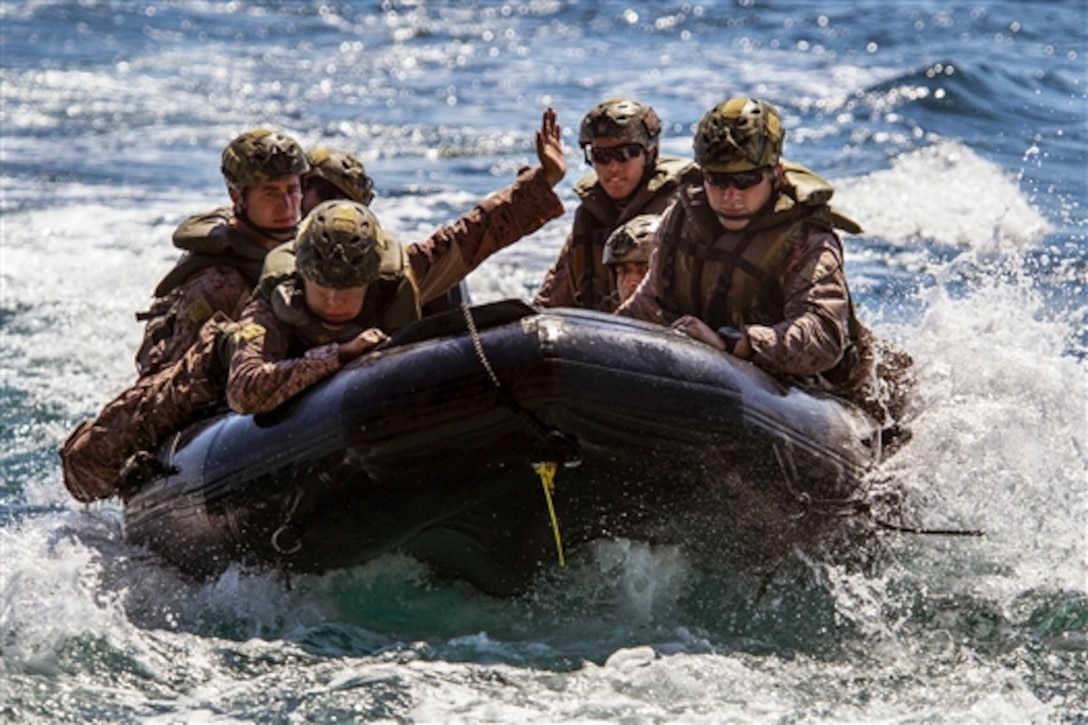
[(620, 154), (740, 180), (620, 167), (737, 196)]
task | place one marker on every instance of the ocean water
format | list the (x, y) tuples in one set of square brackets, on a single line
[(954, 131)]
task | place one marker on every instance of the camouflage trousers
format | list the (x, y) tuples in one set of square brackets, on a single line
[(139, 418)]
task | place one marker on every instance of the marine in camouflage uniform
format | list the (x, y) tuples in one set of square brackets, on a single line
[(138, 420), (282, 347), (225, 248), (104, 456), (627, 253), (609, 132), (335, 174), (624, 131), (767, 284)]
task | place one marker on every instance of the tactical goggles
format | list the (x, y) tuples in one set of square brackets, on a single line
[(740, 179), (620, 154)]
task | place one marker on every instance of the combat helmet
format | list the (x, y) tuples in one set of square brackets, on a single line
[(260, 155), (339, 245), (633, 241), (342, 171), (622, 119), (740, 134)]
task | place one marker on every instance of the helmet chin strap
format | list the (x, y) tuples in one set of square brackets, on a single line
[(650, 167)]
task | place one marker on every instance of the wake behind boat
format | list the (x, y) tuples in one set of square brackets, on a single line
[(432, 444)]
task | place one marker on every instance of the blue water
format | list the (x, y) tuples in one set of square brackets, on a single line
[(955, 132)]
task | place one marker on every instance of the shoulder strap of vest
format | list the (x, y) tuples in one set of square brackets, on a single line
[(672, 172), (804, 185), (214, 233), (209, 240), (808, 189), (394, 304), (734, 260), (843, 222), (193, 262), (279, 265), (669, 234), (394, 262), (585, 185)]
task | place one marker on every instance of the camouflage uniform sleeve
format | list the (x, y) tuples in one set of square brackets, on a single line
[(643, 303), (262, 377), (557, 289), (812, 337), (217, 289), (141, 417), (496, 222)]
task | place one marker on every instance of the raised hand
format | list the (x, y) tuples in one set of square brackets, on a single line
[(549, 149)]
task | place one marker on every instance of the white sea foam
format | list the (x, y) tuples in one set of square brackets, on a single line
[(1001, 428), (944, 193)]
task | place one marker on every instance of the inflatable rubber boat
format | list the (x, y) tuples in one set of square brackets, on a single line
[(495, 440)]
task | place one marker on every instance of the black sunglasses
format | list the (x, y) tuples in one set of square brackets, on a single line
[(597, 155), (741, 180)]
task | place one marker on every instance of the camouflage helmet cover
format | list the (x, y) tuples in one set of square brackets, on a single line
[(740, 134), (622, 119), (633, 241), (339, 245), (261, 155), (343, 171)]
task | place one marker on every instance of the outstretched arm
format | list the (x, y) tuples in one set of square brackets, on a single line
[(498, 221), (549, 149)]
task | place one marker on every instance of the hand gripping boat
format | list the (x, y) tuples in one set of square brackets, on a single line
[(437, 445)]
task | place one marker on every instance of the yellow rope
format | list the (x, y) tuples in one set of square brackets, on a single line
[(546, 471)]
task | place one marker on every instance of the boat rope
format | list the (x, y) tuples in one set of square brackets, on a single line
[(546, 471), (853, 506), (478, 344), (556, 442), (286, 526), (889, 526), (826, 506)]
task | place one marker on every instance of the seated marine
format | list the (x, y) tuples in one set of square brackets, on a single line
[(627, 253)]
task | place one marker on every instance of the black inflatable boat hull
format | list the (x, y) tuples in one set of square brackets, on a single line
[(428, 447)]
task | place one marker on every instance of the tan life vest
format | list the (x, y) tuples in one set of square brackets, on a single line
[(598, 216), (731, 278), (391, 302), (208, 240), (724, 278)]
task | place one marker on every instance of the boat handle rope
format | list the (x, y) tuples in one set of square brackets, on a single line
[(285, 527), (551, 436), (546, 471), (556, 441)]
